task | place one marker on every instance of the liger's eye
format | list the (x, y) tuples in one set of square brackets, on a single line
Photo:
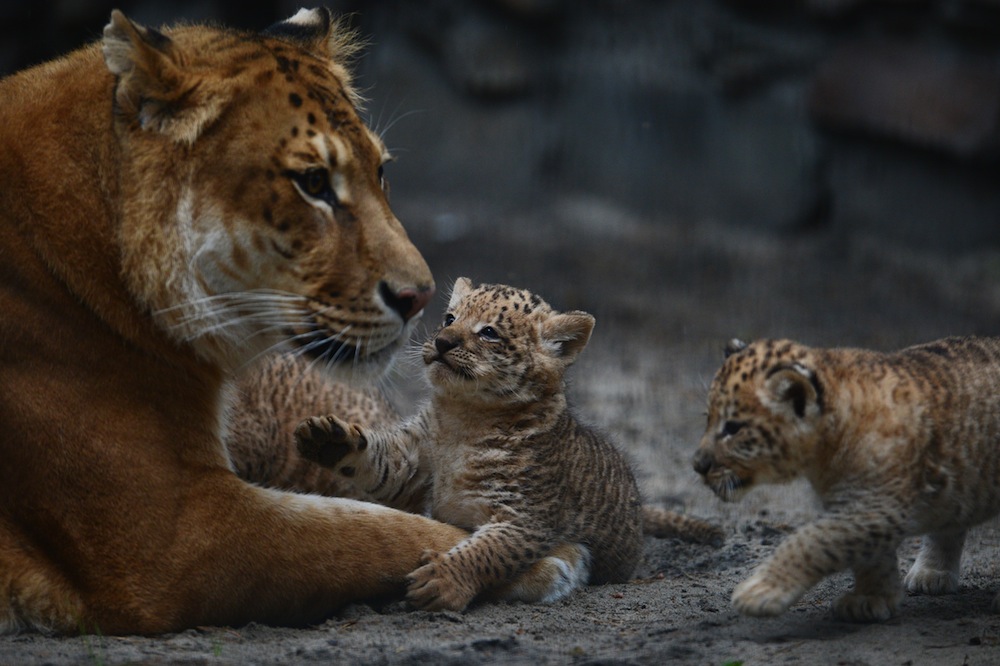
[(315, 183), (489, 333), (449, 319), (730, 428)]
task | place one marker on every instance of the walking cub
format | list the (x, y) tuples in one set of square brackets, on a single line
[(895, 444), (550, 503)]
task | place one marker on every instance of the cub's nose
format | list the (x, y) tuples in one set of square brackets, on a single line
[(444, 344), (408, 302), (703, 462)]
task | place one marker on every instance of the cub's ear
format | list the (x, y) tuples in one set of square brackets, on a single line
[(566, 334), (734, 346), (463, 287), (153, 89), (794, 386)]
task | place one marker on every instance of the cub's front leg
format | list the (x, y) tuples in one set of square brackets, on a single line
[(865, 542), (330, 442), (493, 555)]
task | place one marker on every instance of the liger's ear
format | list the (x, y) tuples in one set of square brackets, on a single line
[(794, 386), (318, 32), (309, 29), (566, 334), (153, 88), (463, 287)]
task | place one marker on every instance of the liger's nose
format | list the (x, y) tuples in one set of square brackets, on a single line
[(703, 461), (408, 302)]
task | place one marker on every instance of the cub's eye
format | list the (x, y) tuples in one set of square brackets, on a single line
[(315, 183), (489, 333), (449, 319), (730, 428)]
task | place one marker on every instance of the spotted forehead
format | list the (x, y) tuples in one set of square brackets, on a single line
[(506, 305), (314, 91), (756, 360)]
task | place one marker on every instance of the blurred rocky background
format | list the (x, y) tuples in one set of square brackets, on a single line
[(786, 116)]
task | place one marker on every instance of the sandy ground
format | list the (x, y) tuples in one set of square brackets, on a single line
[(666, 296)]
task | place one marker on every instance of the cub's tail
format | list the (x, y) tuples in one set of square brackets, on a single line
[(663, 524)]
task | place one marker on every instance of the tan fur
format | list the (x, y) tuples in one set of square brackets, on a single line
[(172, 206), (894, 444), (551, 503)]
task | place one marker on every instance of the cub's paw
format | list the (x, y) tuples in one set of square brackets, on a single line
[(931, 581), (327, 440), (855, 607), (760, 597), (434, 587)]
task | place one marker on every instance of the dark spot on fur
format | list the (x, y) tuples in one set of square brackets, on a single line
[(295, 100), (311, 118)]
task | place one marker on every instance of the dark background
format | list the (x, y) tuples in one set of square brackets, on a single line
[(791, 117)]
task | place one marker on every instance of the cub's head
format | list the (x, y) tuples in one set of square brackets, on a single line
[(763, 412), (254, 210), (501, 343)]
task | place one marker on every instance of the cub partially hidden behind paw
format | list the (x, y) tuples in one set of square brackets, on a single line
[(896, 444), (551, 504)]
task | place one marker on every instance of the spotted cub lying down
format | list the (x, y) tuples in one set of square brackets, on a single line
[(894, 444)]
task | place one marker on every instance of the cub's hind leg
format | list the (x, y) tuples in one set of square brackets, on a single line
[(936, 568), (565, 569)]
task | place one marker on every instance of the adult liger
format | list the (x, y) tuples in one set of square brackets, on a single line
[(173, 205)]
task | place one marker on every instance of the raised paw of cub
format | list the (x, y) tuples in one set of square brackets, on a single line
[(327, 440), (759, 597), (433, 587)]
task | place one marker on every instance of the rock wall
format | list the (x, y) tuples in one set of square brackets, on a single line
[(852, 115)]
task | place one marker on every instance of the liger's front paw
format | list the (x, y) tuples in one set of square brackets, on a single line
[(855, 607), (433, 587), (760, 597), (930, 581), (327, 440)]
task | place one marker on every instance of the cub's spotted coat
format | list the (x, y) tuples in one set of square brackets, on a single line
[(895, 444), (497, 452)]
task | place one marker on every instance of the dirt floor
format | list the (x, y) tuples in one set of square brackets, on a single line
[(666, 296)]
